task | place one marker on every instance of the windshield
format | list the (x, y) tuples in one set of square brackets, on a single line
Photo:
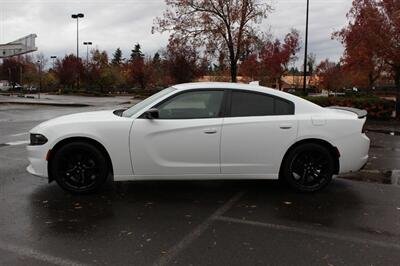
[(140, 105)]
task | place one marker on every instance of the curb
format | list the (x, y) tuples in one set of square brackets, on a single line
[(48, 103), (375, 176)]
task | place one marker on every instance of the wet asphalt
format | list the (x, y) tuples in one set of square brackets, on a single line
[(191, 223)]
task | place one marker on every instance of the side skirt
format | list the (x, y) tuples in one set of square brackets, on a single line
[(197, 177)]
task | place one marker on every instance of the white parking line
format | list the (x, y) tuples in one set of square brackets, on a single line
[(201, 228), (18, 142), (19, 134), (38, 255), (311, 232)]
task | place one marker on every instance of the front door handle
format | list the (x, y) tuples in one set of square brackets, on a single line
[(285, 126), (210, 130)]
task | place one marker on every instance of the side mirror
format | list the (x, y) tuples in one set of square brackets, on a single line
[(151, 114)]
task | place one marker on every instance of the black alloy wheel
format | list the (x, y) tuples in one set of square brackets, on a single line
[(79, 168), (308, 167)]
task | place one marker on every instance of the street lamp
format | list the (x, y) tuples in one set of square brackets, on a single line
[(305, 52), (87, 51), (77, 16), (53, 57), (40, 77)]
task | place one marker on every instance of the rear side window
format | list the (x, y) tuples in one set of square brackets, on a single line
[(257, 104)]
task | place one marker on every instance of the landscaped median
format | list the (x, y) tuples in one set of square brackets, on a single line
[(376, 107)]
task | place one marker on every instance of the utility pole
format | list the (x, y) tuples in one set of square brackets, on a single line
[(306, 52)]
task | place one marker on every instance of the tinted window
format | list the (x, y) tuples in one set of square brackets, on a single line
[(193, 104), (283, 107), (257, 104)]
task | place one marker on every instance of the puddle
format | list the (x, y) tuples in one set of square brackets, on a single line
[(387, 132)]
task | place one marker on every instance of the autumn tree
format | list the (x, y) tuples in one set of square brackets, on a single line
[(12, 71), (67, 70), (250, 67), (360, 57), (276, 55), (181, 61), (374, 31), (226, 26), (332, 76)]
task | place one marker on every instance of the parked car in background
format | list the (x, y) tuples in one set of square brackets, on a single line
[(202, 131), (4, 85)]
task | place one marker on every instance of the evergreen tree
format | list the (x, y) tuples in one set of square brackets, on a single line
[(156, 58), (136, 53), (117, 57)]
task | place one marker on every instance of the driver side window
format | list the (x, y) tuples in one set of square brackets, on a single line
[(192, 105)]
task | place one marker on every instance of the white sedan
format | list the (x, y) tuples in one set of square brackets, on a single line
[(202, 131)]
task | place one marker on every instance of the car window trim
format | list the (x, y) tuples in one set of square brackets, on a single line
[(228, 112), (221, 112)]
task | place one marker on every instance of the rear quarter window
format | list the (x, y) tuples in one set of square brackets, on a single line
[(244, 103)]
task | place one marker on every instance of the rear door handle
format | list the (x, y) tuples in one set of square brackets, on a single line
[(285, 126), (210, 130)]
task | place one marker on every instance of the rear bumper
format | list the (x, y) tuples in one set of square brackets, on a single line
[(354, 153)]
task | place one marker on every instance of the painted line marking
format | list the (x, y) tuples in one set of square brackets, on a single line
[(38, 255), (197, 232), (18, 142), (311, 232), (19, 134)]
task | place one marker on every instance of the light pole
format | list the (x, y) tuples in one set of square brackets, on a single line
[(87, 51), (305, 52), (77, 16), (40, 77), (53, 58)]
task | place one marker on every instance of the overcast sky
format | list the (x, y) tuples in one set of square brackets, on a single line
[(122, 23)]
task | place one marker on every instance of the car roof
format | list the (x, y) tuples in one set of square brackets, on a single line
[(233, 86), (229, 85)]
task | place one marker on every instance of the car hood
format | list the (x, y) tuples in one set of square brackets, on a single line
[(78, 118)]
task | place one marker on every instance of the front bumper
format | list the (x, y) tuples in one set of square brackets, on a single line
[(37, 160)]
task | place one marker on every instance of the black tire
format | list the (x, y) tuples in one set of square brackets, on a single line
[(308, 167), (79, 168)]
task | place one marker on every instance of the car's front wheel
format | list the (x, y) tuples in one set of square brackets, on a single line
[(79, 167), (308, 167)]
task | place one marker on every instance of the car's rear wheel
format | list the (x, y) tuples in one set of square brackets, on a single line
[(79, 168), (308, 167)]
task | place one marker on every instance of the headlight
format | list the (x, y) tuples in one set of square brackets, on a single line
[(38, 139)]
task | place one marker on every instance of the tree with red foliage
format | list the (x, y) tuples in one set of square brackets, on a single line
[(226, 26), (332, 76), (181, 61), (250, 67), (11, 71), (374, 30), (67, 70), (276, 56)]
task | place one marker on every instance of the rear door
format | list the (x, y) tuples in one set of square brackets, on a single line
[(256, 133)]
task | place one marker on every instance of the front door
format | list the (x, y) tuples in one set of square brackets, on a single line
[(184, 140)]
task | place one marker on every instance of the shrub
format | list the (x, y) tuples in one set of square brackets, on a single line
[(376, 107)]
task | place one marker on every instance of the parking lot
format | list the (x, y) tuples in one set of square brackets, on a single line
[(191, 223)]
